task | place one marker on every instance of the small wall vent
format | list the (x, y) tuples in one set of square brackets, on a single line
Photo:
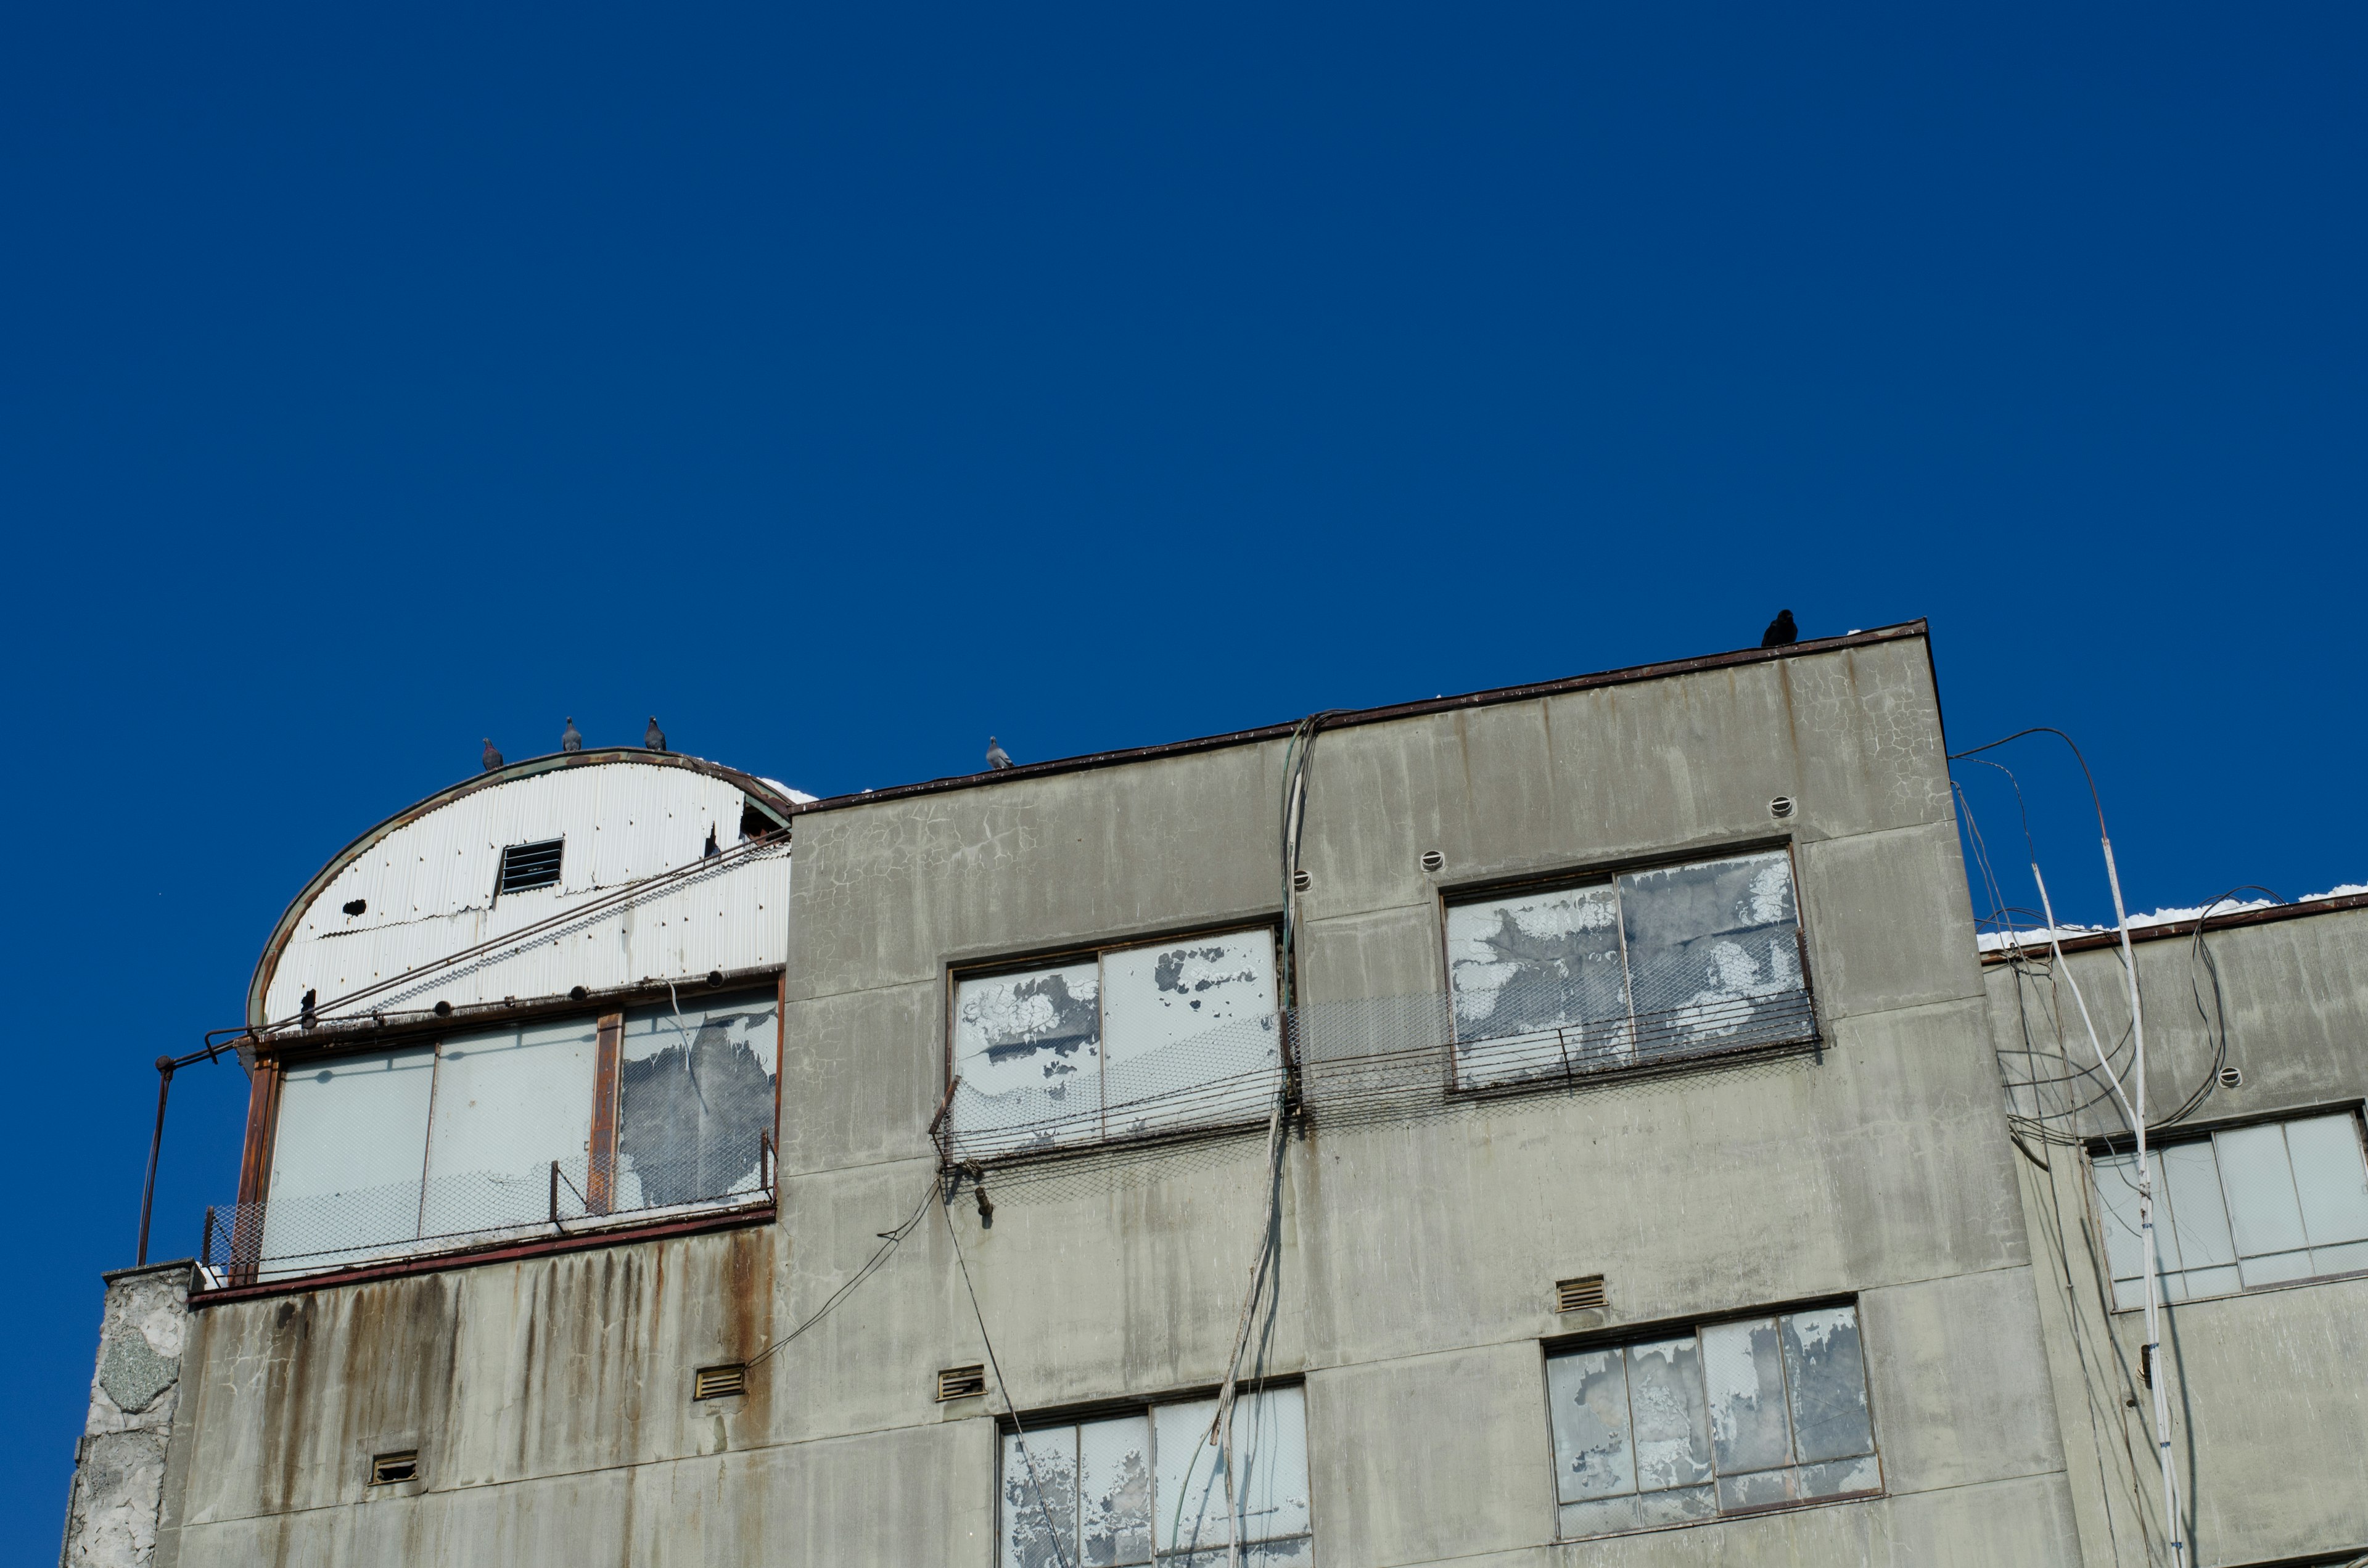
[(388, 1469), (720, 1382), (1582, 1295), (1302, 881), (1432, 860), (1781, 807), (2232, 1078), (526, 866), (961, 1382)]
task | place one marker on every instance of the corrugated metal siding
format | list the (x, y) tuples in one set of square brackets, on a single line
[(429, 890)]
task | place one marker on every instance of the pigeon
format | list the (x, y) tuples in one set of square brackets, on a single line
[(654, 738), (995, 755), (493, 757), (570, 738), (1780, 631)]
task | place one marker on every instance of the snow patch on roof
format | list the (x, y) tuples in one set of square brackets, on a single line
[(2040, 935), (798, 795)]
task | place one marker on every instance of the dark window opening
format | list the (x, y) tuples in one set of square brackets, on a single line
[(526, 866), (756, 821)]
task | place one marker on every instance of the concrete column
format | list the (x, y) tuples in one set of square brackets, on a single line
[(113, 1507)]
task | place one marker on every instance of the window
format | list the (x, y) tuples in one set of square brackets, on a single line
[(1727, 1418), (1147, 1488), (645, 1110), (2243, 1208), (527, 866), (1123, 1043), (1678, 962)]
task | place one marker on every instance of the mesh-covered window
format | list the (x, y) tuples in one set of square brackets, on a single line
[(1147, 1488), (1728, 1418), (2244, 1207), (696, 1100), (1130, 1041), (1676, 961)]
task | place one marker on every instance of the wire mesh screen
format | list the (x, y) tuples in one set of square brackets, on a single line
[(511, 1131)]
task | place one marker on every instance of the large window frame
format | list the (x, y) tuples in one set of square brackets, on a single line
[(1194, 1113), (1702, 1484), (2201, 1213), (1633, 1040), (1185, 1526), (603, 1189)]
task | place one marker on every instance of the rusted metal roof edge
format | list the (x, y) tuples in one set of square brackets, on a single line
[(733, 1219), (259, 985), (1353, 717), (2096, 940)]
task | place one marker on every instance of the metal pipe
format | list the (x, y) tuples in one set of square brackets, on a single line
[(164, 1066)]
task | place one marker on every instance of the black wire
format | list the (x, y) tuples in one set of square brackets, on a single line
[(1059, 1556), (888, 1241)]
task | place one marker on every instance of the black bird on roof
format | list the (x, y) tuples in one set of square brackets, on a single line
[(493, 758), (997, 756), (570, 738), (1780, 631), (654, 738)]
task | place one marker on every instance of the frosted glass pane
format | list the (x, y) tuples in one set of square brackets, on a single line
[(1672, 1423), (508, 1102), (2262, 1208), (2276, 1267), (1840, 1478), (1827, 1381), (2201, 1282), (1040, 1499), (1538, 984), (1114, 1492), (1587, 1404), (1743, 1366), (1189, 1033), (2195, 1233), (1759, 1489), (2117, 1196), (2350, 1258), (1027, 1049), (2330, 1177), (1270, 1450), (696, 1099), (347, 1155)]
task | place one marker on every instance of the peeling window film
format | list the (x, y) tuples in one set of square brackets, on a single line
[(696, 1100), (1136, 1040), (1672, 962), (1732, 1418), (393, 1152), (1149, 1488), (2244, 1207)]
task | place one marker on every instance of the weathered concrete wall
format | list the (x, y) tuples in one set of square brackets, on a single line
[(2270, 1411), (118, 1495), (549, 1398)]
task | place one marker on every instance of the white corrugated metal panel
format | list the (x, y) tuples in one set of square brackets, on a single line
[(428, 889)]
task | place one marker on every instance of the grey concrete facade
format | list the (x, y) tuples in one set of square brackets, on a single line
[(549, 1396), (2269, 1410)]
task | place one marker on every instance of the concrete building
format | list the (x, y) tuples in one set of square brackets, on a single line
[(1555, 1125)]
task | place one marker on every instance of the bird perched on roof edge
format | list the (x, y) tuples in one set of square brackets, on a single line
[(570, 738), (1780, 631), (654, 738), (493, 758), (995, 755)]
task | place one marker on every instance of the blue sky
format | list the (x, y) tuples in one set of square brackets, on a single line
[(844, 387)]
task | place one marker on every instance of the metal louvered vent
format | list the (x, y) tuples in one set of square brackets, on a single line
[(961, 1382), (1302, 881), (2232, 1077), (527, 866), (388, 1469), (716, 1383), (1432, 860), (1782, 806), (1583, 1295)]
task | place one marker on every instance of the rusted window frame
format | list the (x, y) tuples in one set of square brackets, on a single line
[(954, 974), (274, 1059), (1448, 896)]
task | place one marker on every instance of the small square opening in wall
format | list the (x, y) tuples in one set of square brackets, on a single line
[(388, 1469), (962, 1383), (720, 1382), (1583, 1294)]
